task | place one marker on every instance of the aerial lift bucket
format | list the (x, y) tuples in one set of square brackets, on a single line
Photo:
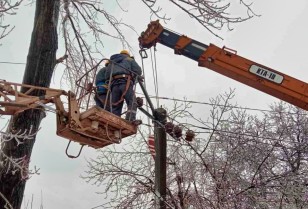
[(94, 127)]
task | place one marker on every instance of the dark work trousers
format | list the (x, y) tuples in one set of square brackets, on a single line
[(118, 88), (100, 100)]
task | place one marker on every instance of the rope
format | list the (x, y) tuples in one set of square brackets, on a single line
[(155, 69), (155, 64), (155, 77), (146, 101)]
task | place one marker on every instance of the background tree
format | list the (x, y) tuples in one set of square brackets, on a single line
[(238, 160), (7, 8), (77, 18), (40, 63)]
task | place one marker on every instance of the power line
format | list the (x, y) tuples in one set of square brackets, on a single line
[(13, 63), (219, 131), (275, 141), (211, 104)]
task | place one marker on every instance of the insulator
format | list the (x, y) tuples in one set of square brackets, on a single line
[(177, 130), (169, 127), (190, 135), (139, 102)]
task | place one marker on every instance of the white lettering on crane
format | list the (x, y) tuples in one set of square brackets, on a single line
[(266, 73)]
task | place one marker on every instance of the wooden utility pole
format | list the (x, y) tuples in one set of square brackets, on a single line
[(160, 115)]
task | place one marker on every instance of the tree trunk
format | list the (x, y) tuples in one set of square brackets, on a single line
[(40, 64)]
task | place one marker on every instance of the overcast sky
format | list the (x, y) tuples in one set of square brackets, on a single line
[(277, 39)]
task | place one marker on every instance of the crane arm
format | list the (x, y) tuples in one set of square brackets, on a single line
[(226, 62), (13, 101), (94, 127)]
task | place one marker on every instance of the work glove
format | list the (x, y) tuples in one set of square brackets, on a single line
[(89, 87), (139, 102)]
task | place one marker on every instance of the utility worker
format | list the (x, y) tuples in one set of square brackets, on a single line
[(124, 70), (102, 88)]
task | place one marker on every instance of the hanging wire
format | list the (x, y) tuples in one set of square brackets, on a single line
[(154, 78), (155, 69), (13, 63), (219, 131), (274, 141), (146, 101)]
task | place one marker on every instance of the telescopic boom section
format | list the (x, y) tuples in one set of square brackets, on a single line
[(226, 62)]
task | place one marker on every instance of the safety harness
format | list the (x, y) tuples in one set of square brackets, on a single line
[(128, 82)]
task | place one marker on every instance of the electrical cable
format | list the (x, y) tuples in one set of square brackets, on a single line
[(211, 104), (274, 140), (210, 130), (13, 63), (155, 69), (154, 79)]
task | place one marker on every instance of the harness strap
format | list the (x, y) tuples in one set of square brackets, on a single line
[(120, 76), (126, 87)]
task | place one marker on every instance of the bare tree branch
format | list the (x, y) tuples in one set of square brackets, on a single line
[(7, 8)]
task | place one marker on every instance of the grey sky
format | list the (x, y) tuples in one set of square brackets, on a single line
[(277, 39)]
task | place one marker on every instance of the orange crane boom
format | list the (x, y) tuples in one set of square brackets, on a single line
[(226, 62)]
